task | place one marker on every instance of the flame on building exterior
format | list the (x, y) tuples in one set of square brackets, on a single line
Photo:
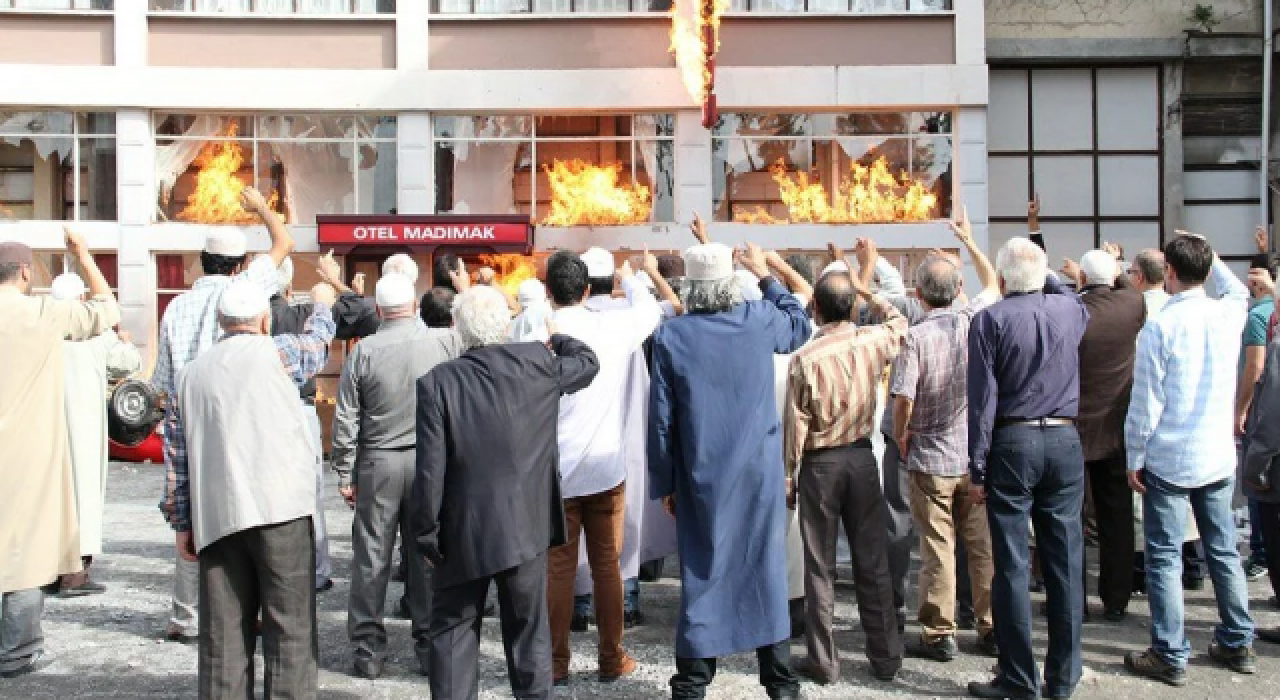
[(216, 198), (583, 194), (866, 195), (695, 39), (511, 269)]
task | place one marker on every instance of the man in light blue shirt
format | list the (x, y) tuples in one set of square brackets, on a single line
[(1179, 438)]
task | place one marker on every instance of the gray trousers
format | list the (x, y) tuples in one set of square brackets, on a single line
[(20, 633), (384, 482), (526, 633), (268, 568), (324, 566), (901, 526)]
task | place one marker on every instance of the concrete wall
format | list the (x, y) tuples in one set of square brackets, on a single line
[(1112, 19)]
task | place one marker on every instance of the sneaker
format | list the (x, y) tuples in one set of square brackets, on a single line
[(1254, 571), (626, 667), (1240, 659), (943, 649), (1147, 663)]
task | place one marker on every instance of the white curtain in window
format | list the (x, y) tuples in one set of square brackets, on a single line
[(54, 128), (489, 7), (173, 159), (318, 176), (663, 197), (484, 172)]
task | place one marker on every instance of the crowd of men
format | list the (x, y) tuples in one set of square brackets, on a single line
[(551, 445)]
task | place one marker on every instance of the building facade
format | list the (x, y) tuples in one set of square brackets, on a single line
[(131, 118), (1130, 119)]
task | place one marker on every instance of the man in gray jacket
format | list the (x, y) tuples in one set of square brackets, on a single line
[(374, 433)]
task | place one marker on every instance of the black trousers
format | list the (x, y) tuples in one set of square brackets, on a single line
[(901, 528), (1269, 524), (271, 568), (1113, 508), (456, 614), (694, 675)]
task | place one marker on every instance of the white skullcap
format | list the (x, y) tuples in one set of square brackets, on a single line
[(599, 263), (1098, 267), (837, 266), (67, 287), (750, 285), (643, 278), (284, 276), (226, 241), (708, 262), (401, 263), (394, 291), (243, 300), (531, 291)]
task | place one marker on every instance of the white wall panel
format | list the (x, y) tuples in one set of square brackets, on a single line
[(1008, 189), (1065, 185), (1129, 109), (1228, 227), (1062, 110), (1007, 113), (1129, 185)]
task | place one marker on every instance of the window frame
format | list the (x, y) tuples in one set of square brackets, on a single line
[(158, 117), (11, 6), (255, 13), (633, 139), (436, 13), (76, 135)]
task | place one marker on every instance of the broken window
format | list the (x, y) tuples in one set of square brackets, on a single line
[(57, 166)]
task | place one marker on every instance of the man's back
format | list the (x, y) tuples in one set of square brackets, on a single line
[(1180, 420), (487, 422), (1106, 366)]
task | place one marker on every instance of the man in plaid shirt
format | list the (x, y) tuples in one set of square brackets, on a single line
[(190, 327), (931, 430)]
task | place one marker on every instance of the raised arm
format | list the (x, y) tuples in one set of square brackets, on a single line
[(81, 320), (304, 355), (987, 276), (1033, 223), (792, 279), (577, 363), (790, 328), (665, 292), (1229, 287), (281, 240), (644, 314)]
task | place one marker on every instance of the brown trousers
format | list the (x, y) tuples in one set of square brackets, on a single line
[(600, 516), (943, 512)]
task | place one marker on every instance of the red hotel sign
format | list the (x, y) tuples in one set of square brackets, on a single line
[(496, 232)]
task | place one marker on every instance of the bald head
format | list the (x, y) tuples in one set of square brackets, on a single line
[(1147, 270), (833, 298), (938, 282)]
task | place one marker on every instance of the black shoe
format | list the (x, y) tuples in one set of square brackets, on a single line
[(1146, 663), (325, 587), (1193, 583), (36, 662), (1044, 693), (370, 669), (1037, 585), (805, 670), (579, 623), (632, 618), (1253, 570), (796, 610), (993, 689), (1268, 635), (987, 645), (943, 649), (180, 638), (84, 589), (1240, 659), (966, 621), (884, 675)]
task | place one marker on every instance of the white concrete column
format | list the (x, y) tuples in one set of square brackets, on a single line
[(135, 191), (130, 40), (415, 164), (693, 167), (971, 42), (411, 35), (969, 177)]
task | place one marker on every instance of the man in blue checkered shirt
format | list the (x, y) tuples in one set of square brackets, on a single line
[(190, 327)]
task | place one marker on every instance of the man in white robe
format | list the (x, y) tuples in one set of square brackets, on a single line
[(89, 364)]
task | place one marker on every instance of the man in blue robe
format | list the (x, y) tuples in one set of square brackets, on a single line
[(715, 452)]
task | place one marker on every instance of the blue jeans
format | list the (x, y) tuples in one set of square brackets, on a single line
[(1163, 512), (630, 599), (1036, 474)]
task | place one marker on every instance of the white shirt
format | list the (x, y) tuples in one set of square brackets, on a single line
[(1180, 422), (1155, 299), (594, 421)]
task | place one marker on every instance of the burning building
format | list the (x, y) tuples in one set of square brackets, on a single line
[(595, 122)]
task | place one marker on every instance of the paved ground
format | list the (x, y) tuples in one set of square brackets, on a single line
[(109, 646)]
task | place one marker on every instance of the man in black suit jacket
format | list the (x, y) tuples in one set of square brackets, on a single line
[(1117, 313), (486, 501)]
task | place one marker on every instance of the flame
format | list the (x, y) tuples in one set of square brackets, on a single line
[(583, 194), (511, 269), (691, 20), (216, 199), (870, 194)]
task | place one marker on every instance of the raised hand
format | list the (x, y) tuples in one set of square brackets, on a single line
[(324, 294), (700, 230), (252, 200), (1261, 239), (961, 227)]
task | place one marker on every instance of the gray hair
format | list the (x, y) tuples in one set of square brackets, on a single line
[(1099, 267), (1151, 264), (711, 296), (938, 281), (403, 264), (481, 317), (1022, 265), (235, 322)]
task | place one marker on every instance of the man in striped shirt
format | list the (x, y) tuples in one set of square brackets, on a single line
[(831, 404), (1180, 444)]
